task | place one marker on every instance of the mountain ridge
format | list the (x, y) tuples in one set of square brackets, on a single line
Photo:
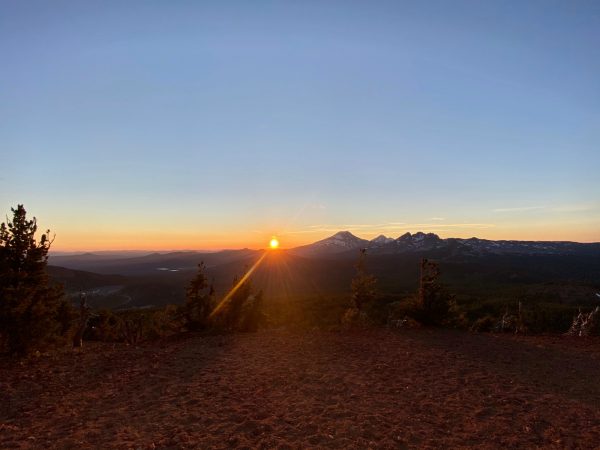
[(344, 241)]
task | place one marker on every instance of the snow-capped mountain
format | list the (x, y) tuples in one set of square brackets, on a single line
[(380, 240), (340, 242), (423, 242), (484, 246), (420, 242)]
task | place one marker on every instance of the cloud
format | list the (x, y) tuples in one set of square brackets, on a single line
[(518, 209), (576, 208), (551, 209), (437, 218), (356, 225), (391, 227), (442, 226)]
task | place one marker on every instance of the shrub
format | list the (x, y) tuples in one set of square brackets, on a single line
[(165, 322), (104, 326), (586, 324), (355, 318), (484, 324), (134, 326)]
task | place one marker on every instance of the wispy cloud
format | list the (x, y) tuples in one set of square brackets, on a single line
[(438, 218), (518, 209), (576, 208), (354, 226), (550, 209), (390, 228), (311, 230)]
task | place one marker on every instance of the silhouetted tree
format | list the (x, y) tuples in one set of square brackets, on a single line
[(82, 322), (199, 301), (243, 310), (434, 300), (251, 316), (363, 283), (33, 313)]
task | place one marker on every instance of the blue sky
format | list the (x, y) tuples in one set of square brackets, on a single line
[(218, 124)]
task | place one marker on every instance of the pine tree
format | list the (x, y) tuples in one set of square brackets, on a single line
[(363, 283), (243, 308), (33, 313), (251, 314), (199, 300), (434, 300)]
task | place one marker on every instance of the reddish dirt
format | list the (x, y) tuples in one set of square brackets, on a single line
[(279, 389)]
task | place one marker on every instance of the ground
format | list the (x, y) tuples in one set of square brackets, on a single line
[(283, 389)]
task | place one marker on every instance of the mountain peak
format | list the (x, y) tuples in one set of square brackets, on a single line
[(337, 243), (346, 243), (381, 240), (344, 234), (418, 236)]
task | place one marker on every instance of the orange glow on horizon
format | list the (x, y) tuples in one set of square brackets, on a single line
[(158, 240)]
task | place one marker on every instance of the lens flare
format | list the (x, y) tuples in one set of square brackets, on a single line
[(223, 302)]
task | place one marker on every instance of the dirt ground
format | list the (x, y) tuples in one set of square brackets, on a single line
[(283, 389)]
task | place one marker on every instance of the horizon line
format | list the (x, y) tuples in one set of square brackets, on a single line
[(220, 249)]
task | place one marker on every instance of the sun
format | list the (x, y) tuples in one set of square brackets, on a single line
[(274, 243)]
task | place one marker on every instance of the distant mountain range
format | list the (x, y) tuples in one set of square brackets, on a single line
[(569, 271), (340, 246), (149, 263), (343, 242)]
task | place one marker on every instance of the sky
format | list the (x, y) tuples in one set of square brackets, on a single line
[(206, 125)]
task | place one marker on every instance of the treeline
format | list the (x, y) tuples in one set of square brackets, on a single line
[(35, 315), (431, 305), (434, 305), (240, 311)]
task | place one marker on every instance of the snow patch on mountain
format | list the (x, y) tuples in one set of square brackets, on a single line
[(381, 240), (339, 242)]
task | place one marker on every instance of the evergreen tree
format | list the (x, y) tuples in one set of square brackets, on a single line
[(199, 300), (434, 300), (251, 314), (363, 283), (33, 313), (243, 308)]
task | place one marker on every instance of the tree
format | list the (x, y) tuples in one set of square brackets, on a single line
[(363, 283), (252, 315), (434, 301), (85, 313), (243, 308), (33, 313), (199, 300)]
